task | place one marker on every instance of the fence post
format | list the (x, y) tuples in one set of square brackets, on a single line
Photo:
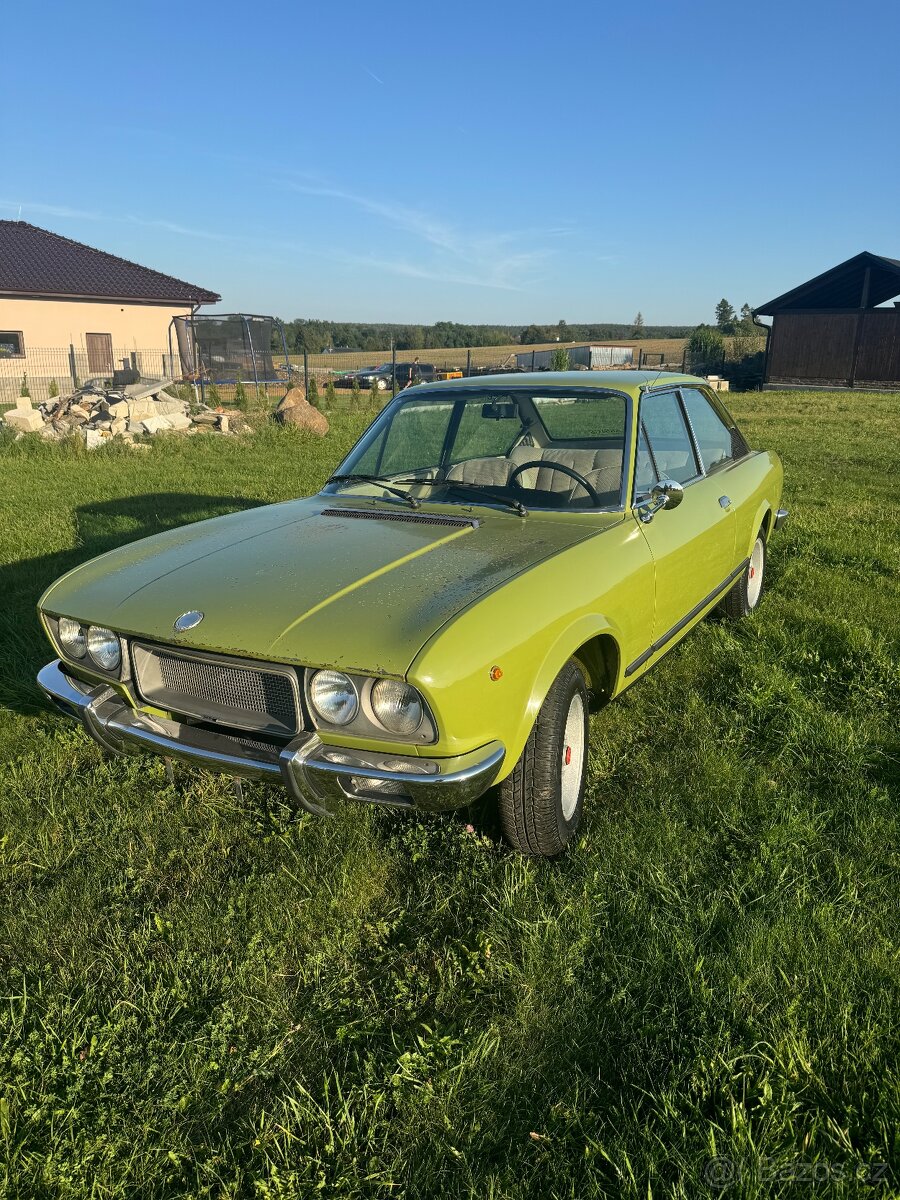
[(684, 361), (305, 374), (532, 360), (468, 363), (393, 370), (72, 370), (640, 357)]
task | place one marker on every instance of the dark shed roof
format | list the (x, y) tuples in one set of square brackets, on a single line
[(842, 286), (36, 262)]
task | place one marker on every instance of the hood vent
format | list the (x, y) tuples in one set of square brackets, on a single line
[(383, 514)]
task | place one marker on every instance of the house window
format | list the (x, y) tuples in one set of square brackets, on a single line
[(12, 345)]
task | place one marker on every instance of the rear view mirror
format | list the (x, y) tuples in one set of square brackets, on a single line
[(500, 410)]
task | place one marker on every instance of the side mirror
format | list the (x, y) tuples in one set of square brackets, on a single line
[(668, 493)]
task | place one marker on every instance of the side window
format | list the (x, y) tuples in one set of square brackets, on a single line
[(712, 434), (668, 437)]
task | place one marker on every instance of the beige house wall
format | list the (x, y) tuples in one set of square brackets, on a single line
[(61, 322), (49, 327)]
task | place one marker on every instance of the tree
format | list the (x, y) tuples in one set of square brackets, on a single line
[(725, 316), (532, 336), (312, 392), (637, 326), (559, 360), (746, 312)]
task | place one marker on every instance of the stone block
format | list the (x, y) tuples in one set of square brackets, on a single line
[(25, 420), (155, 424)]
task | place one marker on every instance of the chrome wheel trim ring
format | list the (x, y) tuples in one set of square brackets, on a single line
[(572, 757), (755, 573)]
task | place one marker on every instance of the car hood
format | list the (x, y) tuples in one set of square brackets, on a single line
[(291, 582)]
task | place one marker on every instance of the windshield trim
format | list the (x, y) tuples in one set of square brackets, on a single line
[(444, 395)]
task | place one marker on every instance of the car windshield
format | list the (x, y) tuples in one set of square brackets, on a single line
[(553, 448)]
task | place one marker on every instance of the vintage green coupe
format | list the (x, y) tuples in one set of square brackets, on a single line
[(495, 557)]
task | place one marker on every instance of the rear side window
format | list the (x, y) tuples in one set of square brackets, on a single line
[(668, 438), (713, 435)]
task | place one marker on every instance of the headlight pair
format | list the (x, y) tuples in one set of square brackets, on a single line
[(394, 705), (96, 642)]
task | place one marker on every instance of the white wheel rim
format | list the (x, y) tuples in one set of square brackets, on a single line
[(755, 573), (572, 759)]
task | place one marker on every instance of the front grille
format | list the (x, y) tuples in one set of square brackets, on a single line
[(255, 696)]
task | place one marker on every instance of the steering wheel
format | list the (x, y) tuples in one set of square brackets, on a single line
[(554, 466)]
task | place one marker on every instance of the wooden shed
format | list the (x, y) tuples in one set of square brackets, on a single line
[(830, 332)]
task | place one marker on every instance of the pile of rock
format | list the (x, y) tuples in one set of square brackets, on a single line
[(295, 409), (97, 415)]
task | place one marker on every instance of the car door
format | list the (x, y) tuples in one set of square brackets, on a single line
[(692, 544), (724, 453)]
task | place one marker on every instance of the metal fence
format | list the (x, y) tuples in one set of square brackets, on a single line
[(45, 371), (336, 377)]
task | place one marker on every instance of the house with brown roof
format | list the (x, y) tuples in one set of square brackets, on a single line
[(57, 294)]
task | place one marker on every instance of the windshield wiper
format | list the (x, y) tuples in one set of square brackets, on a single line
[(395, 491), (478, 489)]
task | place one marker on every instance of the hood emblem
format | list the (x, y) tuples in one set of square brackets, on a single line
[(187, 621)]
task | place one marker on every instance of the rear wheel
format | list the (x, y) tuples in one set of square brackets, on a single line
[(743, 598), (541, 800)]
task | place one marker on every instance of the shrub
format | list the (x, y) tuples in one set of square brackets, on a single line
[(53, 389), (329, 393), (23, 390), (706, 349), (354, 391), (559, 360), (213, 399), (312, 393), (240, 395), (374, 393)]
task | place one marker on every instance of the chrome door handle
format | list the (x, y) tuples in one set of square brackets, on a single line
[(725, 501)]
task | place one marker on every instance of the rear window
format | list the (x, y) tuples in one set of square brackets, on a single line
[(582, 418)]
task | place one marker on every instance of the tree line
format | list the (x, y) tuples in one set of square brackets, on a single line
[(314, 336)]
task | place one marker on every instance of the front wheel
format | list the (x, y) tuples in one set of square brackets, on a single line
[(742, 599), (541, 800)]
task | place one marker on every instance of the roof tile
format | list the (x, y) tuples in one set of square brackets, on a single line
[(35, 261)]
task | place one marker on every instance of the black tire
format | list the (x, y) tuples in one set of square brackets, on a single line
[(532, 796), (743, 598)]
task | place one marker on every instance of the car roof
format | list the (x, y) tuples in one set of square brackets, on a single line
[(623, 381)]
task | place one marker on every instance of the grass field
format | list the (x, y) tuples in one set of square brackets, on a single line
[(208, 998)]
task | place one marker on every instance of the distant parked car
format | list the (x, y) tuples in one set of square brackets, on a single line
[(407, 375), (492, 559)]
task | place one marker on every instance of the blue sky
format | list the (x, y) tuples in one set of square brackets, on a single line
[(471, 162)]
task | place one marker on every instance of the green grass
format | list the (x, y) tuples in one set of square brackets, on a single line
[(202, 997)]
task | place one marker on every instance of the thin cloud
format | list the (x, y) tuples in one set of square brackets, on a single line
[(80, 214), (416, 271), (484, 259), (374, 76)]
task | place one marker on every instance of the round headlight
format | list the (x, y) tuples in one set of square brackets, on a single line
[(334, 697), (103, 647), (71, 637), (397, 706)]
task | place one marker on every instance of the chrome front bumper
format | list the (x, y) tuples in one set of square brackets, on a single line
[(315, 774)]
